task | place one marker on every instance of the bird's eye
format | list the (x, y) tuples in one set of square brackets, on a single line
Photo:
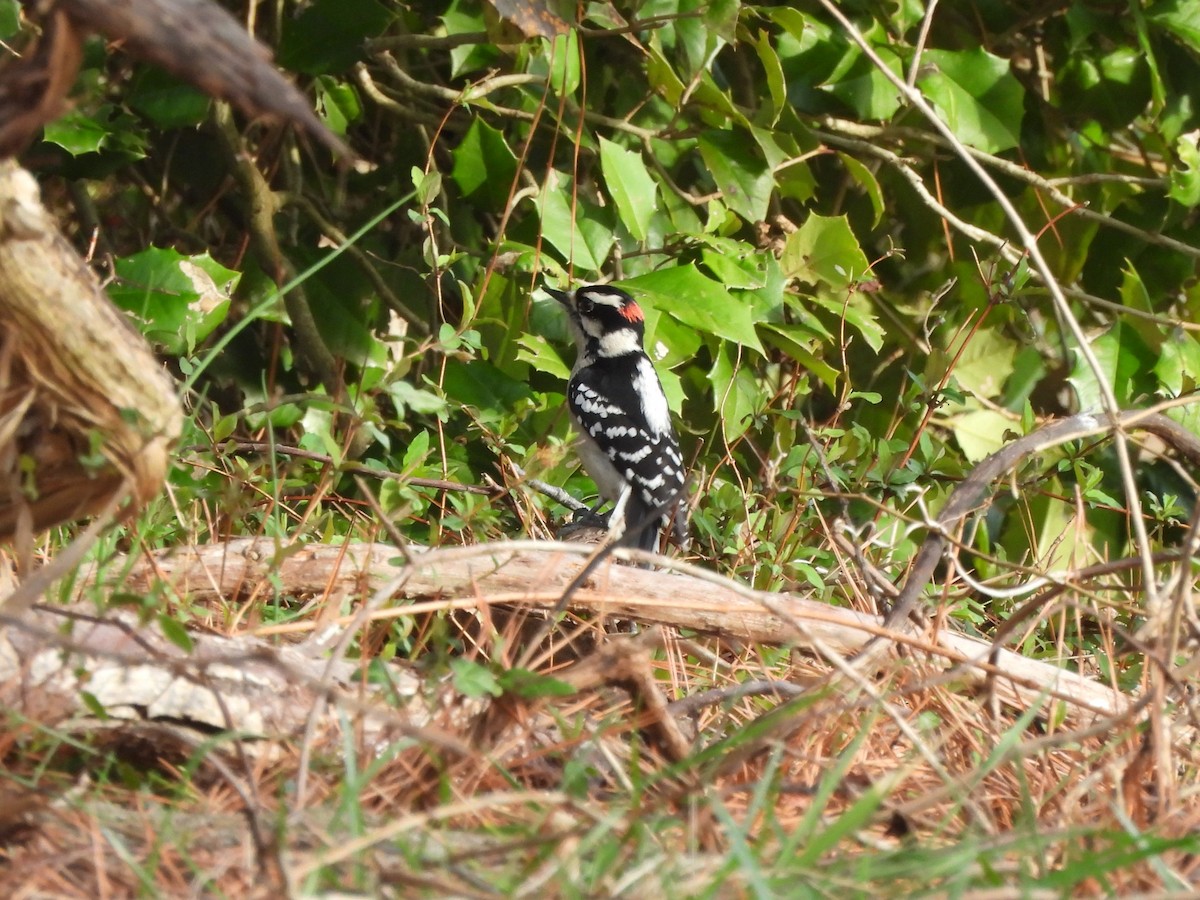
[(586, 305)]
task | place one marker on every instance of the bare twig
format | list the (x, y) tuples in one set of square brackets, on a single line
[(1108, 400)]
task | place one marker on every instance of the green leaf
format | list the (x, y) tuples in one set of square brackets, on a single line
[(77, 133), (415, 452), (174, 632), (1029, 368), (179, 299), (736, 395), (1178, 366), (741, 175), (564, 58), (427, 185), (345, 308), (695, 38), (776, 85), (673, 387), (982, 432), (1146, 45), (668, 341), (465, 17), (93, 704), (10, 18), (683, 293), (662, 77), (409, 397), (1185, 182), (1124, 362), (824, 249), (586, 241), (790, 18), (337, 103), (533, 685), (166, 100), (483, 160), (985, 364), (536, 351), (223, 427), (795, 341), (474, 680), (1051, 522), (485, 388), (976, 95), (721, 18), (1133, 290), (850, 310), (635, 192), (1179, 17), (867, 181), (327, 36), (857, 82), (734, 263)]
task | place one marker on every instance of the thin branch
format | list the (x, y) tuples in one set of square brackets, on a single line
[(427, 41), (919, 48), (372, 90), (1049, 186), (900, 165), (260, 206), (475, 95), (693, 703), (1122, 309), (557, 494), (1108, 399)]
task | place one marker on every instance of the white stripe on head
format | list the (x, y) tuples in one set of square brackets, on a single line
[(603, 294)]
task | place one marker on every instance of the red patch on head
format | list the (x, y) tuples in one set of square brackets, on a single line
[(632, 312)]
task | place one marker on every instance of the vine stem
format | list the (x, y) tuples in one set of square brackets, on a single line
[(1108, 399)]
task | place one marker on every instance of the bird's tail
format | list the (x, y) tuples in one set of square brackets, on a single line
[(644, 523), (642, 526)]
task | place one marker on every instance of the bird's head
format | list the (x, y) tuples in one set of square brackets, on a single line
[(604, 320)]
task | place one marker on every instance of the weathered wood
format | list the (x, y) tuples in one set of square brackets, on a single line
[(85, 408), (523, 575), (240, 685)]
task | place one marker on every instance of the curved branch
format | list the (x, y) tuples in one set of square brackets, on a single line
[(966, 498)]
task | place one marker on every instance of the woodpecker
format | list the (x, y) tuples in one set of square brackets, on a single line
[(626, 441)]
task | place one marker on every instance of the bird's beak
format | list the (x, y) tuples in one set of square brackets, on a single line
[(563, 297)]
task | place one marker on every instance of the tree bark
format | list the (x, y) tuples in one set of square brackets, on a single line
[(86, 411)]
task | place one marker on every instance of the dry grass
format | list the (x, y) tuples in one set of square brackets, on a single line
[(901, 778)]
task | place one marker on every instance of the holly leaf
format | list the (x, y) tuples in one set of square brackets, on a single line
[(631, 187), (741, 175), (1185, 181), (976, 95), (179, 299), (824, 249), (735, 393), (584, 240), (683, 293), (328, 35), (484, 163)]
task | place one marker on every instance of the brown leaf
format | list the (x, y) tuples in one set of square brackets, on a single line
[(534, 18)]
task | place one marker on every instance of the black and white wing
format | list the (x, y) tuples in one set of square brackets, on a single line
[(626, 438)]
